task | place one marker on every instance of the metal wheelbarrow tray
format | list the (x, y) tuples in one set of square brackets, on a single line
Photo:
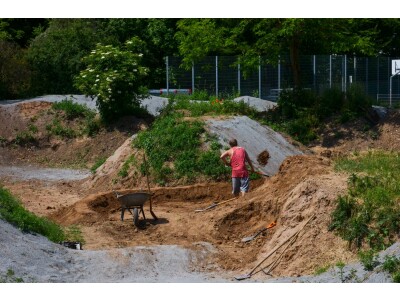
[(133, 202)]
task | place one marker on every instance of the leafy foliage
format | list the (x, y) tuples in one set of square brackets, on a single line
[(370, 213), (172, 146), (210, 106), (73, 110), (301, 112), (15, 73), (97, 164), (56, 54), (115, 77), (369, 259)]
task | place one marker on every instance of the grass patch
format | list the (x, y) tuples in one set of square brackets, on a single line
[(201, 103), (25, 138), (212, 107), (13, 212), (321, 270), (173, 148), (370, 212), (391, 265), (58, 129), (126, 166), (73, 110), (97, 164), (10, 277), (74, 233)]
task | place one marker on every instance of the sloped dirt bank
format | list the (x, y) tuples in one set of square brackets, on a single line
[(305, 186)]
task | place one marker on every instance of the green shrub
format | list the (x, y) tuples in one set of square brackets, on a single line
[(116, 78), (357, 100), (92, 125), (368, 259), (32, 128), (210, 165), (125, 167), (331, 102), (73, 110), (321, 270), (13, 212), (174, 141), (59, 129), (303, 128), (370, 211), (24, 138), (391, 264), (200, 95), (15, 73)]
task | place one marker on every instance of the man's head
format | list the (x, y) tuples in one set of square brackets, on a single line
[(233, 143)]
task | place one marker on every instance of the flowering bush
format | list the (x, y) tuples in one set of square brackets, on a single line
[(114, 76)]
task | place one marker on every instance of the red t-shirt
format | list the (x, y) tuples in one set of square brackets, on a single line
[(238, 163)]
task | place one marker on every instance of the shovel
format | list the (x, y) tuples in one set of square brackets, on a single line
[(214, 205), (262, 174), (250, 238)]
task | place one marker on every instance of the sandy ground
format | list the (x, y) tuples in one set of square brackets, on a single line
[(204, 246)]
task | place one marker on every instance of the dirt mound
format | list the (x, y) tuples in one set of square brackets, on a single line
[(360, 135), (304, 186), (30, 119), (263, 157)]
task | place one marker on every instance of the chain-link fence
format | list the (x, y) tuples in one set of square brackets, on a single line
[(222, 75)]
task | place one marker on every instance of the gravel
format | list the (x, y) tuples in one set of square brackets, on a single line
[(47, 174), (33, 258), (153, 104)]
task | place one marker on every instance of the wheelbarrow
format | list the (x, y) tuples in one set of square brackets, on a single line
[(133, 202)]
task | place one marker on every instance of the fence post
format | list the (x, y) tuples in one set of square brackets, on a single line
[(192, 77), (377, 79), (366, 75), (330, 71), (279, 75), (345, 73), (239, 78), (259, 77), (216, 76), (355, 69), (314, 73), (167, 66)]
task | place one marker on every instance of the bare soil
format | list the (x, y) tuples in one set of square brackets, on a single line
[(304, 189)]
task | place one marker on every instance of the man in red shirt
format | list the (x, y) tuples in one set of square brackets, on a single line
[(240, 176)]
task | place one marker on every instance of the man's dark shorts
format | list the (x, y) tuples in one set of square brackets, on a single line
[(240, 184)]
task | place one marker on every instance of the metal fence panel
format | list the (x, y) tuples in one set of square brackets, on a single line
[(221, 76)]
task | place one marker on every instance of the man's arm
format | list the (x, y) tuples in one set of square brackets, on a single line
[(249, 161), (224, 156)]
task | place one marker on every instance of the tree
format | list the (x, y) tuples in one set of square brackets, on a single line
[(252, 38), (15, 73), (21, 31), (115, 77), (55, 55)]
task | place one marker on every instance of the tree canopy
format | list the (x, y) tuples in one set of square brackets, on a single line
[(50, 51)]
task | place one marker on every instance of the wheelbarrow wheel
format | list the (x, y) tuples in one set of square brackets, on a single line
[(136, 217)]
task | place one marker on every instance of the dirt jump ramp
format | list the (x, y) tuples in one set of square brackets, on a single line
[(256, 139)]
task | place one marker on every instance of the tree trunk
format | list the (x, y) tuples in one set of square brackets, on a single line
[(295, 61)]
